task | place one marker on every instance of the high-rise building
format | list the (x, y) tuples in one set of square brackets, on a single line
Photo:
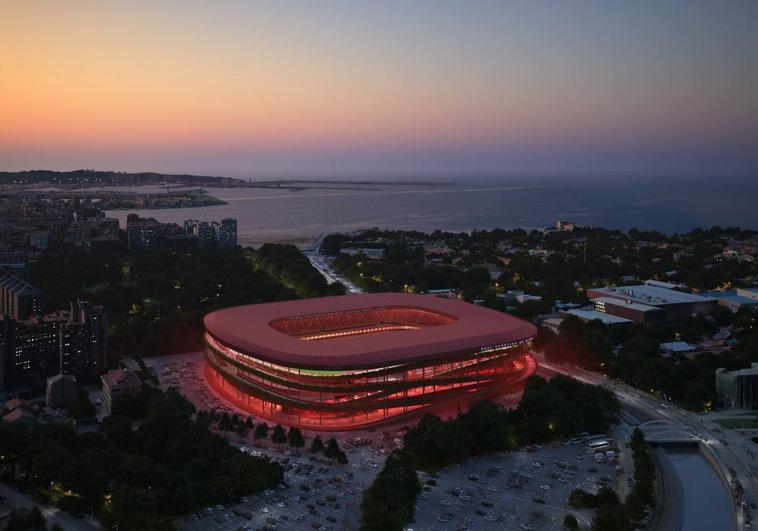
[(141, 233), (91, 360), (108, 227), (19, 299), (65, 342), (206, 233), (227, 235)]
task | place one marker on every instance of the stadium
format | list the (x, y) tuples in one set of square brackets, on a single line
[(353, 361)]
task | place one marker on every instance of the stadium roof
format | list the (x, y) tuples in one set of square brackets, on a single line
[(455, 327)]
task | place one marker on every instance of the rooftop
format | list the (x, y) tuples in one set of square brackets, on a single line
[(68, 377), (750, 371), (733, 296), (626, 304), (18, 286), (591, 315), (18, 414), (121, 378), (677, 346), (651, 295)]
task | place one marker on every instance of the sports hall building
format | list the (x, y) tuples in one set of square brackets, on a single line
[(348, 362)]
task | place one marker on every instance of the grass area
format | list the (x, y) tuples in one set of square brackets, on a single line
[(740, 423)]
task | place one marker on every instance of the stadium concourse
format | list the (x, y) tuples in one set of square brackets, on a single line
[(350, 362)]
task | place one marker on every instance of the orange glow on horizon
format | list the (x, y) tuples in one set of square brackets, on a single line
[(90, 79)]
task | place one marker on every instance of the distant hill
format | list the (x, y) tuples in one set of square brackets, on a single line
[(94, 178)]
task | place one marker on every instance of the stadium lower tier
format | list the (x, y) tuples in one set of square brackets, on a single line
[(332, 400)]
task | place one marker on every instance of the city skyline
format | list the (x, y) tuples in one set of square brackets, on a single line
[(236, 88)]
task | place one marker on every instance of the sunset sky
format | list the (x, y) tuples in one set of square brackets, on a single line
[(244, 87)]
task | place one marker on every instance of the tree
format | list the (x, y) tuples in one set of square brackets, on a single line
[(612, 518), (389, 502), (332, 450), (26, 520), (81, 408), (136, 478), (570, 522), (225, 423), (607, 497), (317, 445), (261, 431), (295, 438), (278, 436)]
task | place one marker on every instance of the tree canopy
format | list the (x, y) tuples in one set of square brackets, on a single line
[(136, 479)]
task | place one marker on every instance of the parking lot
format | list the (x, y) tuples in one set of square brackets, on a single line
[(316, 494), (184, 373), (525, 490)]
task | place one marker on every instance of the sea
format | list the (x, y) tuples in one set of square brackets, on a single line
[(667, 204)]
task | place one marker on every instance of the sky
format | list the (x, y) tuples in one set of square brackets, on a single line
[(392, 86)]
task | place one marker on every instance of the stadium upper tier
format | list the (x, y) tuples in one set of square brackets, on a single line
[(363, 331)]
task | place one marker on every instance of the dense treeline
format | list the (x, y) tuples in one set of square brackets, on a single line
[(291, 267), (637, 360), (548, 410), (582, 258), (156, 300), (613, 515), (406, 271), (28, 520), (642, 496), (65, 275), (435, 443), (581, 499), (136, 479), (562, 265), (389, 502), (586, 345)]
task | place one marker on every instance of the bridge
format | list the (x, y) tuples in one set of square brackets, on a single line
[(664, 432)]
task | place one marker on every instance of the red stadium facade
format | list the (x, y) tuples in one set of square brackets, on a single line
[(341, 363)]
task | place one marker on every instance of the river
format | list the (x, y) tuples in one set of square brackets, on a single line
[(706, 502)]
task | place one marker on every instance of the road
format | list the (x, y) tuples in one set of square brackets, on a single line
[(320, 262), (53, 515), (727, 447)]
